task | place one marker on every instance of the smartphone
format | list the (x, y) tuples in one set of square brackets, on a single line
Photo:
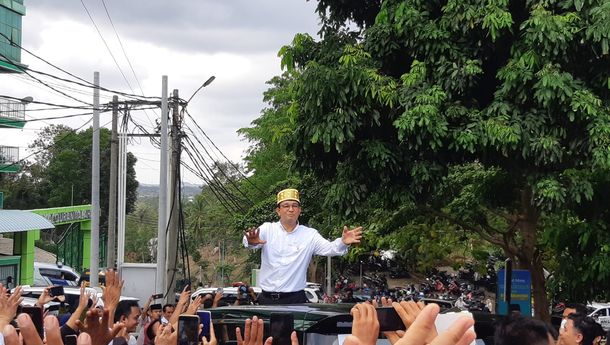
[(220, 290), (35, 314), (204, 318), (282, 325), (188, 330), (55, 291), (70, 339), (389, 320), (157, 296)]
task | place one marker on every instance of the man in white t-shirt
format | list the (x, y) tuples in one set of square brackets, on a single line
[(287, 248)]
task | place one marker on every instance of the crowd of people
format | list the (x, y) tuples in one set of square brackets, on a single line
[(287, 247), (115, 322)]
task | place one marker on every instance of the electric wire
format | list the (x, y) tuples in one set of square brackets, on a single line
[(221, 170), (47, 103), (84, 83), (124, 53), (45, 84), (106, 44), (228, 160), (212, 175), (74, 131)]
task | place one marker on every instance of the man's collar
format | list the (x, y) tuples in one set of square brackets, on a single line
[(289, 232)]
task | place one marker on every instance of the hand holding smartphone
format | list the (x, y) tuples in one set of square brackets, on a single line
[(35, 314), (188, 330), (282, 325), (70, 339), (205, 317), (55, 291), (389, 320)]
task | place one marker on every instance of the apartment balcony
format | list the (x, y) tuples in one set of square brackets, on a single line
[(12, 114), (9, 159)]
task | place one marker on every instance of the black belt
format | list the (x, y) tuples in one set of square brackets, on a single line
[(279, 295)]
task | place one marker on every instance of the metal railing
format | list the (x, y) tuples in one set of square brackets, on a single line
[(9, 154), (12, 110)]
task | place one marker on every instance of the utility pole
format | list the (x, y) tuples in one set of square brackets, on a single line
[(95, 185), (162, 222), (174, 214), (329, 281), (114, 167)]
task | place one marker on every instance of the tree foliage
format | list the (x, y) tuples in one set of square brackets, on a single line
[(60, 174), (490, 117)]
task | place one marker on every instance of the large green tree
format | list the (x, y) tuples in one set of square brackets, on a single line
[(490, 115)]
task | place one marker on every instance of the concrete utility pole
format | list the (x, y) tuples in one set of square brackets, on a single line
[(95, 185), (329, 282), (162, 222), (114, 167), (174, 215)]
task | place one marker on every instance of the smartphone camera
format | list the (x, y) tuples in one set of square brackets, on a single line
[(188, 330), (55, 291), (281, 326), (205, 317)]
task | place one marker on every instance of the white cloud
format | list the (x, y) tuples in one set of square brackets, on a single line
[(236, 41)]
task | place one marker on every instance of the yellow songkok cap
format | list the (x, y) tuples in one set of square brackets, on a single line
[(288, 194)]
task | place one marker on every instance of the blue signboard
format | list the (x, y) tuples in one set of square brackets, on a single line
[(521, 293)]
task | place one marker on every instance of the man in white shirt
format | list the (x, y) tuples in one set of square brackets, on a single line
[(287, 248)]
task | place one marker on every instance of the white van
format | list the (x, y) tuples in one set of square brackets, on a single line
[(54, 274)]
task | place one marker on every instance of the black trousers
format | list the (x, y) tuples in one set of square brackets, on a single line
[(273, 298)]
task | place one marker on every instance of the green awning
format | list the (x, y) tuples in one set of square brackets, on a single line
[(8, 67), (18, 221)]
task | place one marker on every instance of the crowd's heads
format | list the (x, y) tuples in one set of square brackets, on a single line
[(579, 330), (128, 311), (168, 310), (574, 308), (517, 329), (155, 311)]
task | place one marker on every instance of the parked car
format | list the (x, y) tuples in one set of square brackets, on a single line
[(601, 313), (46, 274), (71, 296), (316, 323)]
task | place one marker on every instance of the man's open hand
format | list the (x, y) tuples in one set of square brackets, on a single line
[(351, 236), (253, 237)]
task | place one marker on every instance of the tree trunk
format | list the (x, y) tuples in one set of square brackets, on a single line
[(528, 257), (312, 271)]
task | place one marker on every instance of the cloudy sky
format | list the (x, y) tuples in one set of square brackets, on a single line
[(189, 41)]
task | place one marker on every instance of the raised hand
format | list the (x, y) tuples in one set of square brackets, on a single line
[(365, 326), (194, 306), (418, 334), (253, 237), (253, 332), (8, 305), (166, 336), (97, 326), (212, 340), (112, 292), (351, 236), (44, 297)]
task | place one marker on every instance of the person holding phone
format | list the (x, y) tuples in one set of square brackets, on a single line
[(287, 248)]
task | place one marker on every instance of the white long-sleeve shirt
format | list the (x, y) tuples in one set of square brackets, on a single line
[(286, 256)]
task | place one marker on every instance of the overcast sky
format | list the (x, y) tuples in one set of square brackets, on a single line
[(189, 41)]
